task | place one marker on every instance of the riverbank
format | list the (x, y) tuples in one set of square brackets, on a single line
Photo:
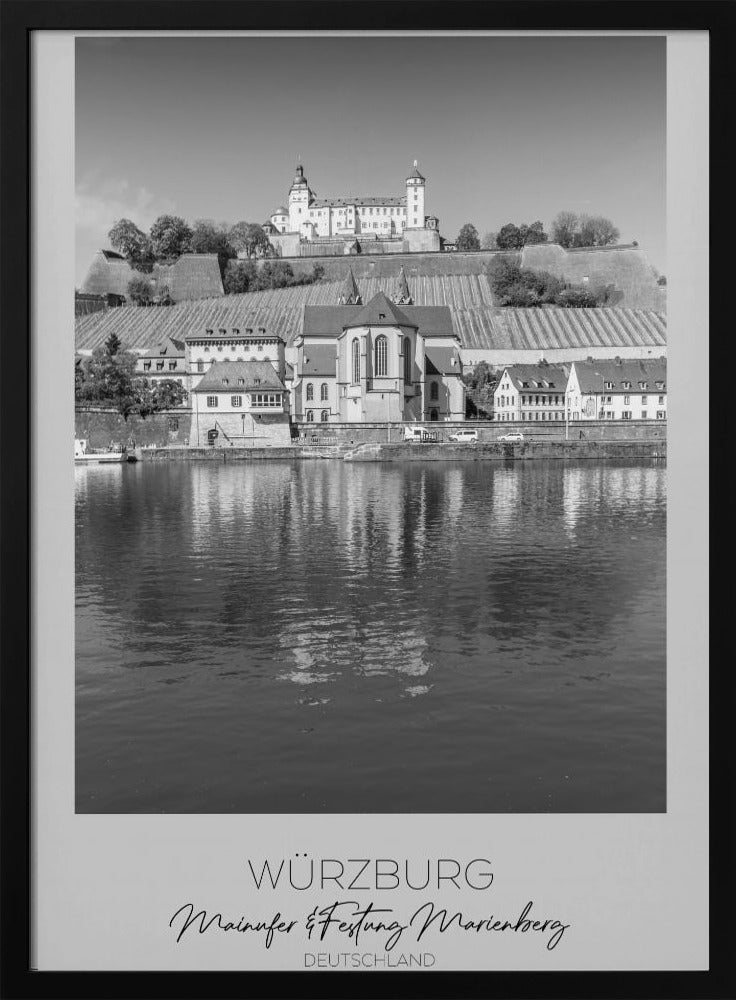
[(412, 452)]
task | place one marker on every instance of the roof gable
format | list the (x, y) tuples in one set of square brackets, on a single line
[(231, 376)]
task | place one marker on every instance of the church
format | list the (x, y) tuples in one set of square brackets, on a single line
[(387, 222), (384, 360)]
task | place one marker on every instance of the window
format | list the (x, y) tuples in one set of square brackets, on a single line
[(226, 381), (626, 414), (310, 391), (146, 366), (643, 385), (661, 400), (310, 416), (356, 361), (324, 416), (261, 399), (260, 347), (212, 401), (236, 401), (627, 400), (609, 385), (241, 381), (643, 414), (324, 392), (207, 347), (407, 360), (159, 366), (434, 391), (661, 415), (626, 385), (660, 385), (200, 366), (381, 352), (643, 400), (172, 366)]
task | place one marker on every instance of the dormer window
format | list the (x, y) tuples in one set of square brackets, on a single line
[(236, 331), (241, 381), (643, 385), (609, 385), (660, 385), (626, 385), (209, 332), (256, 381), (382, 315), (226, 381)]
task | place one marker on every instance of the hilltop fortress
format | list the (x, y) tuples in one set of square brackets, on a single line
[(312, 226)]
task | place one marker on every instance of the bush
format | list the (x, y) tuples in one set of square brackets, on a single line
[(576, 298)]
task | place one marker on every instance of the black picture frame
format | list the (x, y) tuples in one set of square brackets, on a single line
[(19, 19)]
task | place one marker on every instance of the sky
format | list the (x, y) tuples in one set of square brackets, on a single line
[(505, 129)]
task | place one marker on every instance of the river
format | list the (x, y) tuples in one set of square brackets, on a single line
[(321, 636)]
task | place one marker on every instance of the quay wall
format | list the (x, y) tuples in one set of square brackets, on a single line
[(99, 427), (488, 430), (496, 451), (174, 429)]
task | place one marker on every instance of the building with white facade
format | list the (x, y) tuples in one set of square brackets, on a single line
[(618, 390), (387, 360), (240, 404), (531, 392), (353, 219)]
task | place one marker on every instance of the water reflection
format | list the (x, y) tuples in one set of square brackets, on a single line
[(237, 595)]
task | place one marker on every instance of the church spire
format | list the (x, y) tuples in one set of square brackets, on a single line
[(402, 295), (350, 294)]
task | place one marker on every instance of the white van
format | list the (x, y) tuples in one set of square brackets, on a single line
[(413, 433)]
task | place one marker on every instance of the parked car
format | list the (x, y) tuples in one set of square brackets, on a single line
[(512, 436), (467, 436)]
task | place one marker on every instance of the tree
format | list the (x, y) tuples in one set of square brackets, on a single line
[(140, 291), (662, 279), (509, 237), (489, 241), (250, 239), (241, 276), (318, 272), (564, 227), (468, 238), (207, 237), (534, 233), (167, 394), (112, 344), (130, 241), (170, 236), (596, 231), (515, 286), (275, 274), (108, 379)]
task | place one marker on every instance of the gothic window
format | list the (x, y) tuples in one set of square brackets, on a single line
[(324, 392), (310, 390), (324, 416), (407, 360), (434, 392), (381, 352), (310, 416), (356, 361)]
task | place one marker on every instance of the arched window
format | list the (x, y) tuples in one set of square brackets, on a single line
[(356, 361), (324, 416), (434, 391), (310, 390), (407, 359), (381, 363), (310, 416), (324, 392)]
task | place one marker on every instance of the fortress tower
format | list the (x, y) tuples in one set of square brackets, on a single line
[(415, 199)]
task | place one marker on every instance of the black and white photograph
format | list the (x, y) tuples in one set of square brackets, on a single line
[(371, 398)]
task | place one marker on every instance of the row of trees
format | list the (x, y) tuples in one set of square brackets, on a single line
[(170, 236), (108, 378), (516, 286), (569, 229)]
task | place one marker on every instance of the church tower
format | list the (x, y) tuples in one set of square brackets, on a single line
[(401, 294), (298, 200), (350, 293), (415, 199)]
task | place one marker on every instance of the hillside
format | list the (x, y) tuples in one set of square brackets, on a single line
[(479, 324)]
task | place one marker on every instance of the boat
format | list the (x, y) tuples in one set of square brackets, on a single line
[(83, 455)]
